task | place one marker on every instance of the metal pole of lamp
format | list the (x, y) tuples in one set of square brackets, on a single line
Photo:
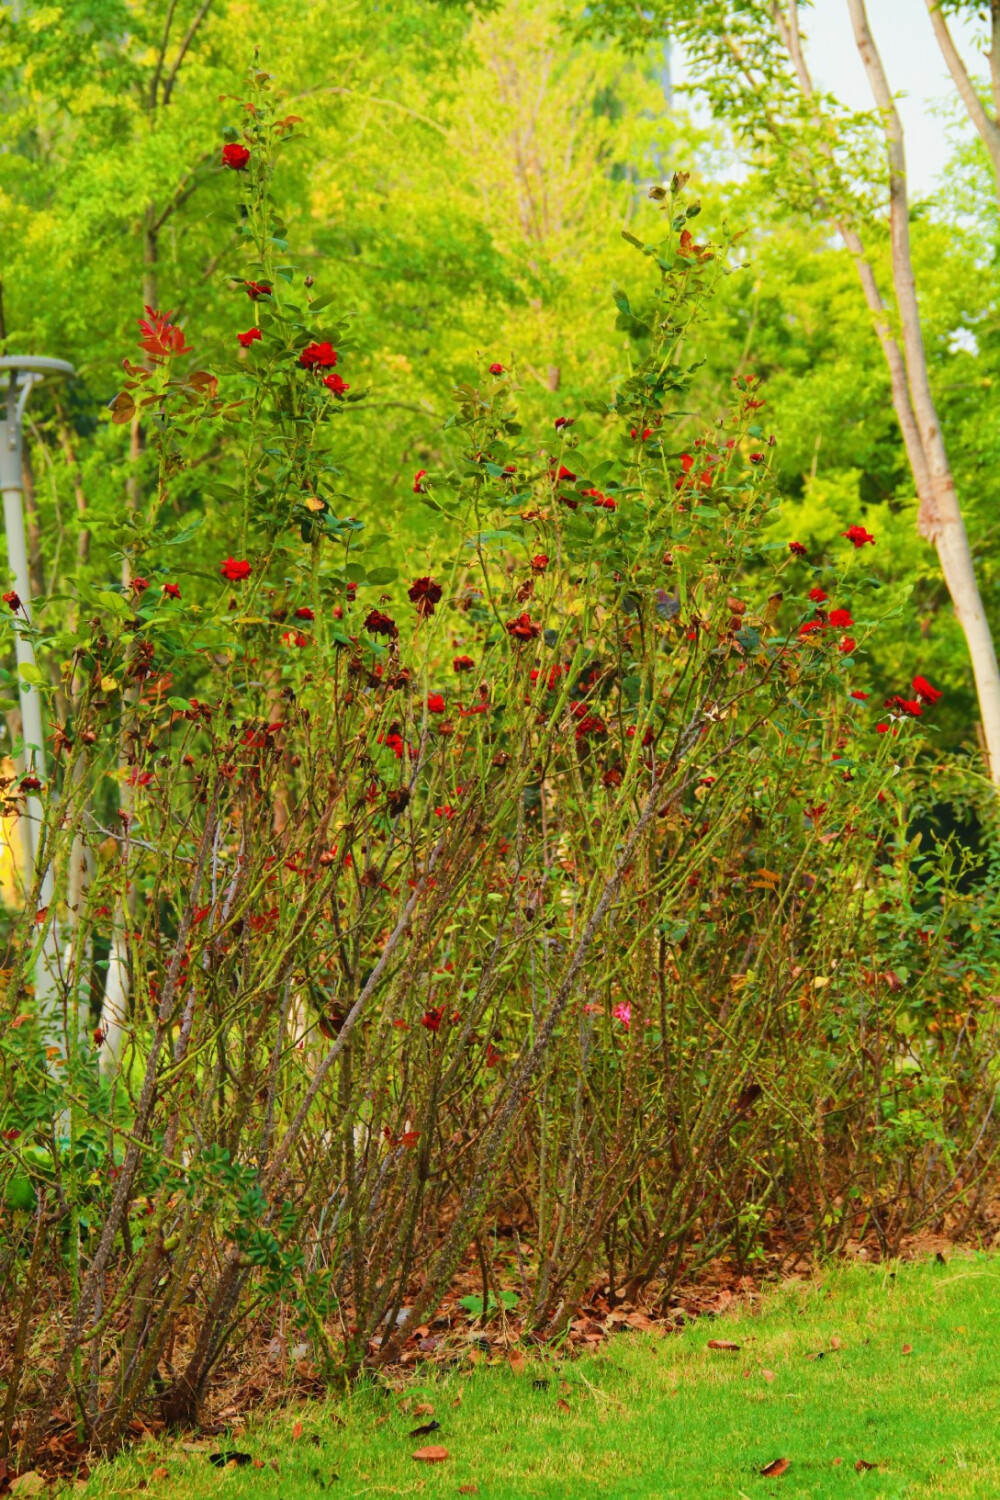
[(23, 372)]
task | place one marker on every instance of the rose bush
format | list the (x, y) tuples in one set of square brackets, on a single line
[(550, 899)]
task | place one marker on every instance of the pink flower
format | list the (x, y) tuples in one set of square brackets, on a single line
[(623, 1013)]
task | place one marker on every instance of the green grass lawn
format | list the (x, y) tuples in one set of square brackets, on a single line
[(898, 1367)]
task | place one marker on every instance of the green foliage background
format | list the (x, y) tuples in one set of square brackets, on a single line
[(461, 187)]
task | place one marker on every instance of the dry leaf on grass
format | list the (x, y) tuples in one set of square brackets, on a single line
[(862, 1465), (776, 1467), (907, 1349), (768, 1375), (161, 1473), (562, 1405), (468, 1489), (425, 1409), (31, 1483), (431, 1455), (722, 1344), (297, 1430)]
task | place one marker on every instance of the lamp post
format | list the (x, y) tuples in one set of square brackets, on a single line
[(23, 372)]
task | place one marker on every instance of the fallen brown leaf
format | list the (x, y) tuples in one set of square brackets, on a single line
[(837, 1461), (907, 1349), (768, 1375), (722, 1344), (31, 1483), (468, 1489), (776, 1467), (517, 1361), (562, 1405), (425, 1409), (161, 1473), (431, 1455), (863, 1464), (835, 1343), (297, 1431)]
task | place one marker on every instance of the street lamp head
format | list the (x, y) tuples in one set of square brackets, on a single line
[(35, 364)]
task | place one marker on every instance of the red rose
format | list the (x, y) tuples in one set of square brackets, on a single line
[(539, 562), (565, 475), (172, 590), (237, 157), (235, 571), (818, 596), (496, 369), (522, 628), (463, 664), (436, 703), (924, 690), (857, 536), (304, 613), (424, 593), (432, 1018), (246, 339), (379, 624), (255, 289), (318, 357), (562, 422), (840, 619), (13, 599), (797, 549), (859, 695), (139, 585), (848, 646), (910, 707), (418, 478), (336, 385)]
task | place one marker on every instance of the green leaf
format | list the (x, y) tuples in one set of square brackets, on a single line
[(179, 705)]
